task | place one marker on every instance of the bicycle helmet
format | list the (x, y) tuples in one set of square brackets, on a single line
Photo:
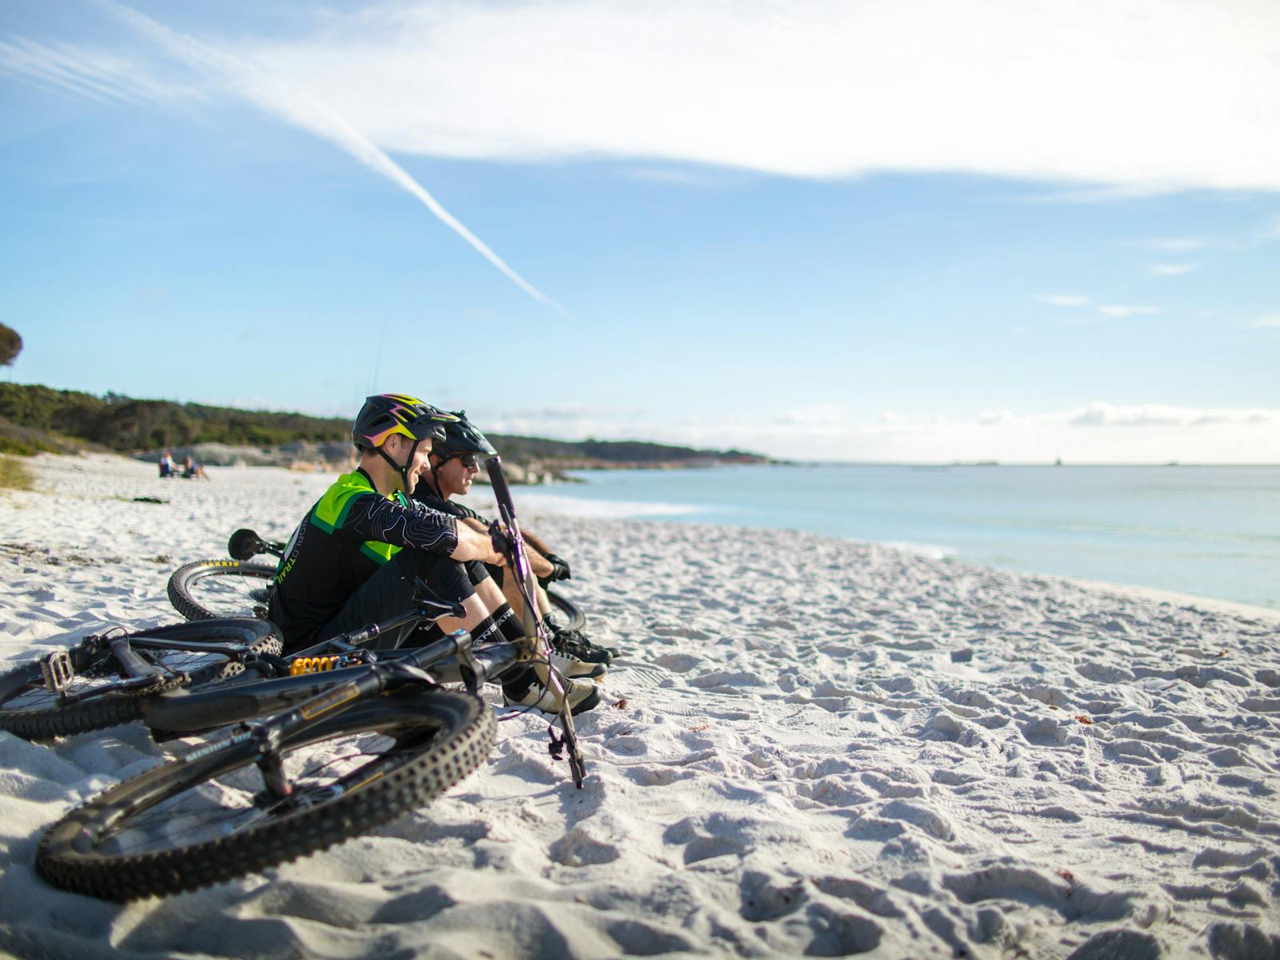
[(397, 413), (460, 438)]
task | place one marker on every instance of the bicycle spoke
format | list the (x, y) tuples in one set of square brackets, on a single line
[(235, 801)]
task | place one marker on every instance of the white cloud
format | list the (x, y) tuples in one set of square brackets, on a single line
[(1078, 92), (1147, 415), (1098, 432), (1172, 269), (1063, 300), (1127, 310), (1270, 320)]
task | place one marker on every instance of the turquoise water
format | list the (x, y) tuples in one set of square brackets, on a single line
[(1213, 531)]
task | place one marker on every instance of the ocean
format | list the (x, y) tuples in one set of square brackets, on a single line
[(1212, 531)]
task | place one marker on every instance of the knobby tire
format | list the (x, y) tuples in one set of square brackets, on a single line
[(207, 589), (438, 737)]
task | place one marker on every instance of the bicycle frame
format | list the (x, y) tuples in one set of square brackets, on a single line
[(449, 659)]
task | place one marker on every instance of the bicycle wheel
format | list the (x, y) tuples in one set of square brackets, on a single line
[(97, 696), (208, 817), (206, 589), (577, 619)]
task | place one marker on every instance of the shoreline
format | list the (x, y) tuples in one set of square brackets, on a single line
[(807, 746), (1173, 597), (658, 513)]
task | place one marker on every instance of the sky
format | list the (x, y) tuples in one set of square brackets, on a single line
[(927, 231)]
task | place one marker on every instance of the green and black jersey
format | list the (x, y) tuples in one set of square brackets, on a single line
[(350, 533)]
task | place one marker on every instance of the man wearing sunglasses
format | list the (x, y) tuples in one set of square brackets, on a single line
[(455, 461)]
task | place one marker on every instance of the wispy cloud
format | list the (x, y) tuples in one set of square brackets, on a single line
[(297, 105), (1271, 320), (1074, 93), (93, 73), (1127, 310), (1095, 432), (1172, 269), (1063, 299), (1157, 415)]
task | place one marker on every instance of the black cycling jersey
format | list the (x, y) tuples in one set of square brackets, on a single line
[(428, 497), (348, 535)]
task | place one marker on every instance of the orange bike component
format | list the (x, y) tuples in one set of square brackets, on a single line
[(312, 665)]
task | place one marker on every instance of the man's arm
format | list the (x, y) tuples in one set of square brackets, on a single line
[(476, 544), (540, 565), (417, 527)]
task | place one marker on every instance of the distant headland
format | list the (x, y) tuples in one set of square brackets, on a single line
[(36, 419)]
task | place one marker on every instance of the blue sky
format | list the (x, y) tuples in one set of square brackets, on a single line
[(835, 231)]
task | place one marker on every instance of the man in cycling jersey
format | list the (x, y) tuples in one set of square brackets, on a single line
[(454, 463), (355, 556)]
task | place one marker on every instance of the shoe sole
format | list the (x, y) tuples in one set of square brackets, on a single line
[(586, 703), (594, 671)]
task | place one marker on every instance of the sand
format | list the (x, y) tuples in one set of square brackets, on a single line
[(810, 747)]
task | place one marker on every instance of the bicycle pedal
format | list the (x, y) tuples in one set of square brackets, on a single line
[(57, 671)]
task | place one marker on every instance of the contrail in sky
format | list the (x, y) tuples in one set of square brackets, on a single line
[(269, 93)]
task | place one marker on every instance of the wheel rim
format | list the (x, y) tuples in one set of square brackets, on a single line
[(28, 694), (230, 592), (236, 798)]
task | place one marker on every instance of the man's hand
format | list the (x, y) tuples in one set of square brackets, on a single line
[(559, 568), (478, 545), (498, 537)]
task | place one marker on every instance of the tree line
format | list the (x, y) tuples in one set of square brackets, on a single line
[(34, 417)]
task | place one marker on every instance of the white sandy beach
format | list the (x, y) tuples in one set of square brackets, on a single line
[(810, 747)]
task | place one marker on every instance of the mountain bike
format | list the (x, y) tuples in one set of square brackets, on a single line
[(364, 736), (239, 587)]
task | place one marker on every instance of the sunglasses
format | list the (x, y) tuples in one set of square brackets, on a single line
[(469, 460)]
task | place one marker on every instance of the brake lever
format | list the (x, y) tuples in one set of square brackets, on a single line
[(424, 596)]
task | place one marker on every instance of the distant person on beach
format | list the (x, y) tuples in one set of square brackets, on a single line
[(193, 471), (167, 468), (454, 464), (355, 556)]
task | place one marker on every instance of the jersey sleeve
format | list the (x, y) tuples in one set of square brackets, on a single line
[(418, 527)]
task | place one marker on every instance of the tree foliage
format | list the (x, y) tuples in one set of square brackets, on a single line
[(10, 345), (127, 425), (36, 416)]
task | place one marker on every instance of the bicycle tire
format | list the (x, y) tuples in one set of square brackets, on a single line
[(31, 711), (186, 583), (447, 734), (577, 619), (209, 589)]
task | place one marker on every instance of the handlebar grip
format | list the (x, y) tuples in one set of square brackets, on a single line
[(500, 489)]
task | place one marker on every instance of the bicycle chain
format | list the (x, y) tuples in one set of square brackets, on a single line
[(159, 685)]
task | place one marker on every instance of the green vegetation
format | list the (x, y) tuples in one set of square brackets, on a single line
[(14, 475), (587, 452), (10, 345), (126, 425), (35, 418)]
